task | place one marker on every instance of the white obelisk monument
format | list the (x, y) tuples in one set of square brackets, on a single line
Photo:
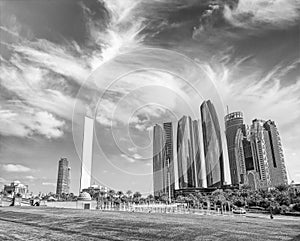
[(87, 153)]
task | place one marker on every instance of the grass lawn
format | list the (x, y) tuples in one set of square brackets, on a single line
[(39, 223)]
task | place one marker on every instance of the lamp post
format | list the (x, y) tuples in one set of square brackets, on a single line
[(271, 208), (169, 180)]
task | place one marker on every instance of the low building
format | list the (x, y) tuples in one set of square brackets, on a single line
[(15, 188), (94, 189), (296, 187)]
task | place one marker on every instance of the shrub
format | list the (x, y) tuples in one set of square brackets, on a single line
[(284, 209), (239, 203), (296, 207)]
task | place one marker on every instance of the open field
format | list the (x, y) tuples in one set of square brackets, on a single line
[(20, 223)]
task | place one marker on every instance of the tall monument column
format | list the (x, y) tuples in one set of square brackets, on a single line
[(87, 153)]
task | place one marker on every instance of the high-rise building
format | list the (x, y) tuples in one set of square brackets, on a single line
[(267, 154), (63, 177), (240, 172), (212, 141), (163, 160), (87, 154), (169, 157), (275, 153), (186, 153), (198, 155), (235, 131)]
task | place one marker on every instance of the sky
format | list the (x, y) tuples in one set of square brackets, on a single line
[(131, 64)]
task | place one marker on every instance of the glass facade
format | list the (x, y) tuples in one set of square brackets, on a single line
[(185, 153), (212, 145), (233, 123), (163, 160), (197, 154)]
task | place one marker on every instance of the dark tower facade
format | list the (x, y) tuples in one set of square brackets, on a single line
[(212, 141), (63, 177)]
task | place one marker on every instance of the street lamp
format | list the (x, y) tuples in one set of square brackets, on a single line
[(271, 208), (169, 180)]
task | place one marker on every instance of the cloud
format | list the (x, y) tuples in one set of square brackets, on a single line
[(49, 184), (137, 156), (23, 121), (263, 13), (31, 178), (15, 168), (56, 58), (259, 92), (129, 159), (140, 127), (3, 180), (43, 76), (122, 104), (132, 158), (132, 149), (226, 21), (123, 31)]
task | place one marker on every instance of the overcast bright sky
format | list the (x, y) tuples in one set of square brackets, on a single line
[(62, 59)]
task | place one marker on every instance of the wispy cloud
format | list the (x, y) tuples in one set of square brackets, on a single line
[(44, 76), (123, 104), (30, 178), (263, 13), (49, 184), (24, 121), (15, 168), (123, 31), (127, 158), (3, 180), (132, 149)]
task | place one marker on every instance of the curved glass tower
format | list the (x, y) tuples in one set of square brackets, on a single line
[(185, 153), (163, 160), (213, 151), (158, 156), (233, 124)]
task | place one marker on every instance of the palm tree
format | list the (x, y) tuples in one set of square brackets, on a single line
[(164, 198), (136, 197), (111, 195), (180, 198), (120, 193), (150, 198), (129, 193)]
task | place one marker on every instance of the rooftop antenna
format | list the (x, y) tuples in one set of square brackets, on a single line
[(227, 109)]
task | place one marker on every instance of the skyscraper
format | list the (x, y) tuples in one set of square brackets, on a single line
[(275, 153), (235, 131), (268, 154), (63, 177), (198, 155), (186, 153), (163, 160), (213, 150), (240, 172), (87, 153)]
